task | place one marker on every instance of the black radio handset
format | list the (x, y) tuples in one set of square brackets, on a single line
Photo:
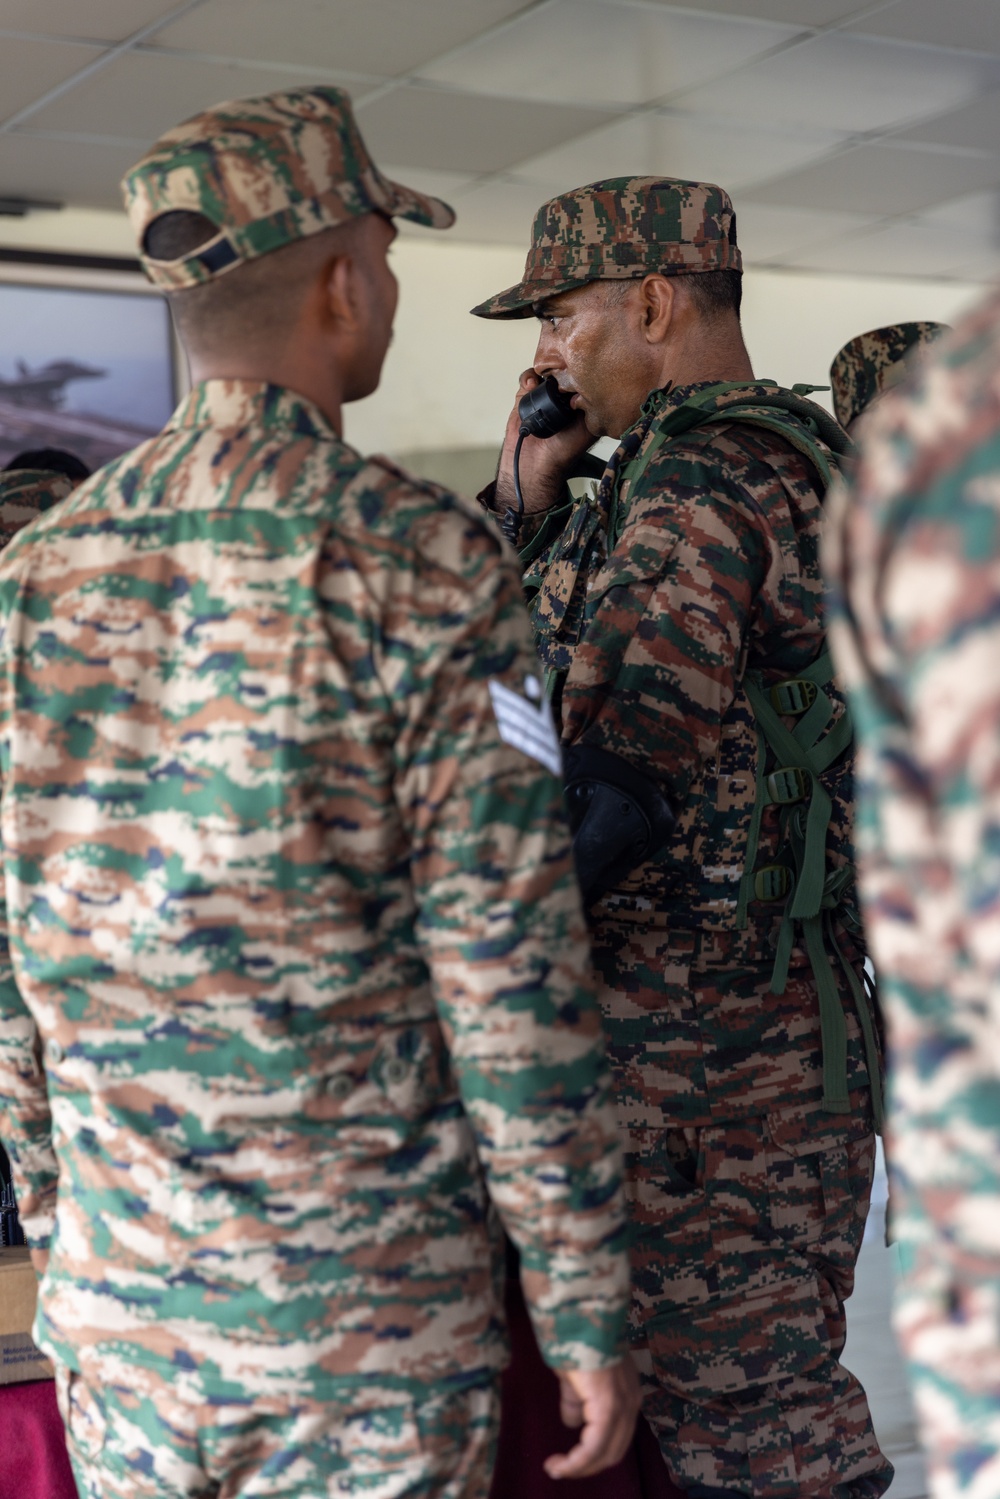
[(544, 411)]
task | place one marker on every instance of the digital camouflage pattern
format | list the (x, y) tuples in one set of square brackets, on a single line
[(144, 1440), (268, 171), (914, 565), (622, 228), (874, 362), (24, 494), (294, 931), (697, 562)]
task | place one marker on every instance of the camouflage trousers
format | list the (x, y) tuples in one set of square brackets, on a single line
[(746, 1238), (147, 1441), (748, 1207)]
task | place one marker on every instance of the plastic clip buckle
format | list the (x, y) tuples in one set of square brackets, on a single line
[(790, 784), (795, 696), (772, 882)]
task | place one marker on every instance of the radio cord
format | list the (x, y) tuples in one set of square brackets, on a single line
[(510, 525)]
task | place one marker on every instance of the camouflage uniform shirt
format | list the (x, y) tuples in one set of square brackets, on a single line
[(293, 929), (713, 568)]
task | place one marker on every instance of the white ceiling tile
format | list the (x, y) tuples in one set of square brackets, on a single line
[(374, 36), (67, 171), (28, 69), (104, 20), (140, 95), (678, 145), (501, 211), (906, 248), (798, 13), (585, 50), (464, 132), (974, 24), (835, 82), (767, 233), (976, 126), (976, 219), (881, 180)]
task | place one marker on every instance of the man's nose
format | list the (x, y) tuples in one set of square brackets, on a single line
[(546, 360)]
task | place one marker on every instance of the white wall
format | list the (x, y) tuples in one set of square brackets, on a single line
[(450, 378)]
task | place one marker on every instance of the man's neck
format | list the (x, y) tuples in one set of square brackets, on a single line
[(312, 385)]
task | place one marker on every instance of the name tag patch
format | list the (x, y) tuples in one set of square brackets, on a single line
[(527, 725)]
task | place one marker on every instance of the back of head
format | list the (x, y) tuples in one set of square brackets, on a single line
[(624, 228), (52, 461), (873, 362), (218, 199)]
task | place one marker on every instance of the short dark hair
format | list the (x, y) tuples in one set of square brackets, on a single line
[(716, 292), (713, 292), (257, 299), (177, 234), (51, 461)]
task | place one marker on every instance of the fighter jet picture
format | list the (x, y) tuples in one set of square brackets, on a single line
[(45, 388)]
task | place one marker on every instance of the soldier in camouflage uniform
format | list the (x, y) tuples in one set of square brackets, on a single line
[(913, 559), (873, 363), (678, 615), (297, 988)]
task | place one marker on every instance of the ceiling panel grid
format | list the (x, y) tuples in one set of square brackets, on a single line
[(855, 137)]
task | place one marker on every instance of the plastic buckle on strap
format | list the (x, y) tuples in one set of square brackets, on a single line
[(797, 695), (790, 784), (772, 882)]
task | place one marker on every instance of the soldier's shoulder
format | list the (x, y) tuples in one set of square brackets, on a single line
[(418, 518)]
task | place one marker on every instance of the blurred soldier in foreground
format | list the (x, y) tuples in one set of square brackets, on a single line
[(875, 362), (914, 562), (678, 615), (293, 926)]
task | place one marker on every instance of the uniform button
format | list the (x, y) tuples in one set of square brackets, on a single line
[(396, 1070), (340, 1086), (54, 1052)]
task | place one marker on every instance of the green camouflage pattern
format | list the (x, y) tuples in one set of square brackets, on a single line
[(697, 560), (298, 982), (874, 362), (914, 567), (267, 171), (24, 494), (624, 227), (146, 1440)]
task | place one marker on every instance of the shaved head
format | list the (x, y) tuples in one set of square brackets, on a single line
[(252, 308)]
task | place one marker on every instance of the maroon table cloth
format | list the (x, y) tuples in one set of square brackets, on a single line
[(531, 1430), (33, 1459)]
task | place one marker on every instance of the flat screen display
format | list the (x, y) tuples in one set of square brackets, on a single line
[(83, 369)]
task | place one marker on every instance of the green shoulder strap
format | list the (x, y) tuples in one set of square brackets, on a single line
[(811, 892)]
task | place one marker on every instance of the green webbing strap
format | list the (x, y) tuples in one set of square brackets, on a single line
[(811, 748)]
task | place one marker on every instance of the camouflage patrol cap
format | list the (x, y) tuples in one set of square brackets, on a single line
[(267, 171), (622, 228), (24, 494), (873, 363)]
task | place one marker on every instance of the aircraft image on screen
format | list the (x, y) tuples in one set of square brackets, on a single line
[(45, 388), (33, 414)]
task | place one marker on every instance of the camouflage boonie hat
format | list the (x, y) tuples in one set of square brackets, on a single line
[(873, 363), (268, 172), (622, 228), (24, 494)]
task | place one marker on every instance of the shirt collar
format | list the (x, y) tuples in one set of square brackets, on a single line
[(238, 404)]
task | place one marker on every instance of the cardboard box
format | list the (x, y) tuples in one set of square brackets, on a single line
[(19, 1358)]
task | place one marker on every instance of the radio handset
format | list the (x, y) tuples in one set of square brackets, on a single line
[(544, 411)]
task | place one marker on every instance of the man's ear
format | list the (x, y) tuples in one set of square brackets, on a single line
[(341, 292), (657, 307)]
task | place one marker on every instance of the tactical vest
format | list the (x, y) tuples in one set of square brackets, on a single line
[(790, 761)]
